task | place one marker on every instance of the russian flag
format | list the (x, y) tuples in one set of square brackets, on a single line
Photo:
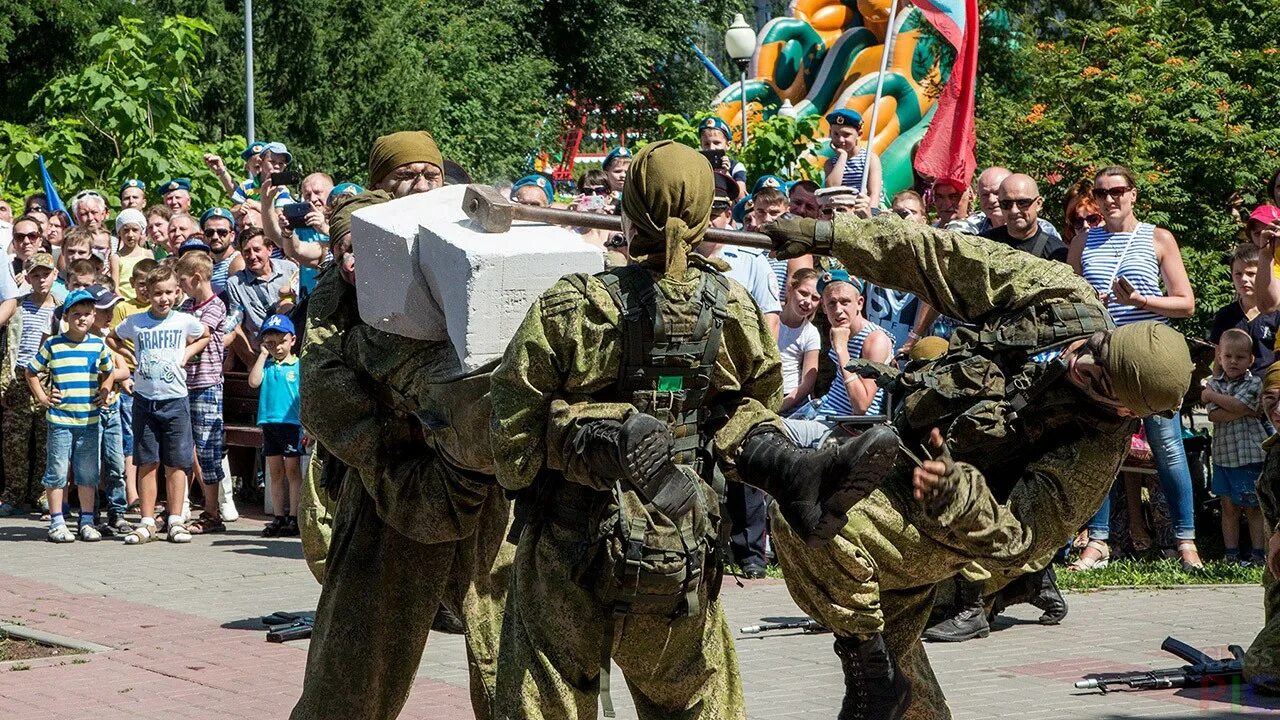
[(946, 151)]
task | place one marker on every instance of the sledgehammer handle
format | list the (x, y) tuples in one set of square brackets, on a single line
[(555, 216)]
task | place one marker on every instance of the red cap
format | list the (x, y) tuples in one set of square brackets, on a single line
[(1265, 214)]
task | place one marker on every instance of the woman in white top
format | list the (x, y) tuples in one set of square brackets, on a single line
[(798, 340), (1127, 262)]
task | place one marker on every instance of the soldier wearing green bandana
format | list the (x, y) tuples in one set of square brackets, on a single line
[(1011, 438), (620, 408), (407, 518)]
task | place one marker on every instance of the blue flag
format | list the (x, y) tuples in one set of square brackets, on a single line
[(50, 191)]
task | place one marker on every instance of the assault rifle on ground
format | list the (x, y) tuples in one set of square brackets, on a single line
[(807, 626), (1203, 671)]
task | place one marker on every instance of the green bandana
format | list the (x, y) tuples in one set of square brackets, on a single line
[(402, 148), (667, 199), (1150, 367), (340, 218)]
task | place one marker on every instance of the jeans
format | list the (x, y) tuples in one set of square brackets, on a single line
[(75, 448), (807, 426), (1165, 437), (111, 421)]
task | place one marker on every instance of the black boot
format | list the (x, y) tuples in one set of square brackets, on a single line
[(446, 622), (815, 488), (638, 451), (874, 687), (1037, 588), (970, 620)]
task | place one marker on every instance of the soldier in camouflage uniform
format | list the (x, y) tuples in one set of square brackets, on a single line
[(1262, 661), (618, 408), (419, 519), (1016, 434)]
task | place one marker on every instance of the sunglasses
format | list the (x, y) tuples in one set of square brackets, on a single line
[(595, 190), (1090, 219), (24, 237), (217, 232), (1114, 193), (1022, 203)]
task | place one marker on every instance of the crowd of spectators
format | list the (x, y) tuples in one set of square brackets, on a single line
[(124, 319)]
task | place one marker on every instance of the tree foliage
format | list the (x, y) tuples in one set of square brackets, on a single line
[(1182, 93), (774, 143)]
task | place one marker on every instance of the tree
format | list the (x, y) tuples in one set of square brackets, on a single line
[(774, 144), (1182, 93)]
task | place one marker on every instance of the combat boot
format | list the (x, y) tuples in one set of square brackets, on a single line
[(970, 620), (1037, 588), (814, 489), (874, 687), (639, 452)]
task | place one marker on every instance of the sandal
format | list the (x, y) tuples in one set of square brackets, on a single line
[(1101, 559), (140, 535), (206, 524), (1182, 550), (179, 534)]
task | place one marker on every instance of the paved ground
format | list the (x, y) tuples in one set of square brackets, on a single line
[(181, 624)]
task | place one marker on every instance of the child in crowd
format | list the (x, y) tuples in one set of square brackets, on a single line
[(768, 203), (1243, 313), (157, 229), (165, 340), (1232, 399), (714, 137), (204, 383), (850, 164), (79, 365), (615, 167), (798, 339), (276, 373), (81, 274), (130, 226), (24, 418), (111, 423), (76, 245), (103, 251), (122, 310)]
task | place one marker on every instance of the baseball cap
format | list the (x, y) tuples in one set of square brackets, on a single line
[(131, 216), (277, 323), (103, 298), (39, 260), (1265, 214), (278, 148), (193, 243), (77, 296)]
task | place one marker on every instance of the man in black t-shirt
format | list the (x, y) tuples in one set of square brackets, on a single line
[(1021, 202)]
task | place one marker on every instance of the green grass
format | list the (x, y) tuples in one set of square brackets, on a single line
[(1158, 573)]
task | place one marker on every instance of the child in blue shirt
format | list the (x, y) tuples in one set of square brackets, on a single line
[(80, 367), (276, 374)]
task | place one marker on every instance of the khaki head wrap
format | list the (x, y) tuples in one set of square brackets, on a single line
[(667, 199), (1150, 367), (1271, 379), (928, 348), (340, 218), (402, 148)]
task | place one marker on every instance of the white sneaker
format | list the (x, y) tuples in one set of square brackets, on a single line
[(226, 494), (60, 534), (89, 533)]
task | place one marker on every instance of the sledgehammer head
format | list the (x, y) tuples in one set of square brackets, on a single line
[(488, 209)]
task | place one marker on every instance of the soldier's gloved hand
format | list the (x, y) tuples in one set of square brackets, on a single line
[(794, 236), (935, 481)]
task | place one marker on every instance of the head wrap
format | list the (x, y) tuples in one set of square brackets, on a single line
[(340, 218), (402, 148), (1272, 377), (1150, 367), (667, 199), (131, 216), (928, 348)]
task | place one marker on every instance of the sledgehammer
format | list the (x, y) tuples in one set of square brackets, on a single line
[(492, 212)]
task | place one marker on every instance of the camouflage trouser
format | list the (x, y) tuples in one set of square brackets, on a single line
[(315, 517), (1262, 660), (381, 592), (24, 433), (554, 631)]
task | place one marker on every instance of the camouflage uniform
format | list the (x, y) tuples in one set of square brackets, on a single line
[(419, 520), (569, 349), (23, 427), (1262, 661), (1025, 484)]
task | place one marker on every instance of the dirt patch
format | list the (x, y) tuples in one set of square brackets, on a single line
[(19, 649)]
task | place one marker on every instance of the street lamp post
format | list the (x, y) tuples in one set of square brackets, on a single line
[(740, 43), (248, 70)]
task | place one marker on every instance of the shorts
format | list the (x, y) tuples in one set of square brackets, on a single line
[(1238, 483), (281, 439), (75, 449), (162, 432), (207, 431)]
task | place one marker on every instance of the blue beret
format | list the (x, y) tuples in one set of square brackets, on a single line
[(715, 123), (175, 184), (539, 181), (193, 243), (845, 116), (836, 275), (346, 188), (133, 183), (217, 212), (614, 154), (254, 148), (770, 181), (740, 210)]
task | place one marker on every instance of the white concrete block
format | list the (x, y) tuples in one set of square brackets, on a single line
[(423, 271)]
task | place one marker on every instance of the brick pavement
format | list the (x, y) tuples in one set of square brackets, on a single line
[(181, 622)]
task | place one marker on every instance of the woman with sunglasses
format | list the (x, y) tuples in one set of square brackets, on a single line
[(1126, 261), (1081, 211), (595, 195)]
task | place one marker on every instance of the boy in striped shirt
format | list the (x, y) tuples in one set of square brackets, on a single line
[(79, 365)]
